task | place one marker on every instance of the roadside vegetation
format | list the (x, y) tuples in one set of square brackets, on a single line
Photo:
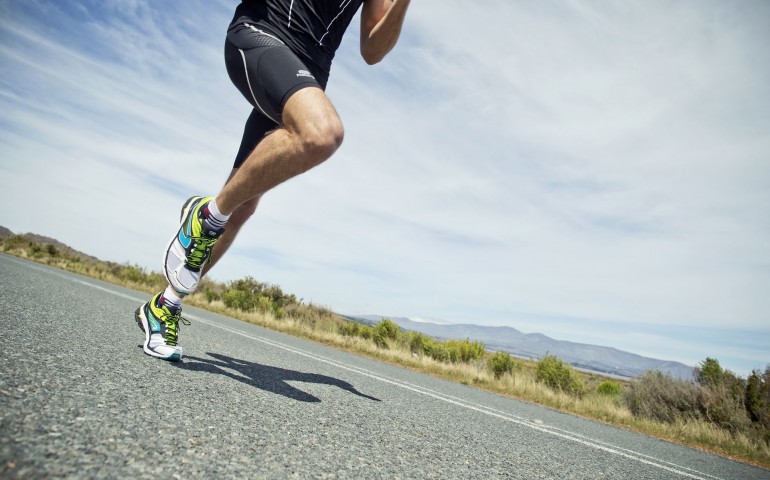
[(716, 410)]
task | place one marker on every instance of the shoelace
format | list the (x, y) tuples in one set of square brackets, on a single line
[(201, 252), (172, 322)]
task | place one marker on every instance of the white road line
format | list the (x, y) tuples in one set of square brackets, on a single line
[(555, 431), (598, 445)]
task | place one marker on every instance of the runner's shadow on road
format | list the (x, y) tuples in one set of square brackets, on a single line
[(271, 379)]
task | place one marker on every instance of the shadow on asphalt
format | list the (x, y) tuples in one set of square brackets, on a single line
[(271, 379)]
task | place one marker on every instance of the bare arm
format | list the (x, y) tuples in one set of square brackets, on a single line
[(381, 22)]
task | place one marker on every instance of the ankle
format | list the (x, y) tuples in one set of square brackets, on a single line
[(170, 299), (213, 215)]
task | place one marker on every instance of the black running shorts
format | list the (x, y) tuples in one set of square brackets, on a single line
[(267, 73)]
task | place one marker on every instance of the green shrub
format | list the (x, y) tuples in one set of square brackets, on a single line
[(16, 241), (608, 388), (556, 374), (664, 398), (725, 407), (263, 304), (501, 363), (437, 351), (416, 342), (366, 332), (388, 330), (248, 294), (133, 273), (254, 291), (379, 339), (238, 299), (758, 397), (719, 396), (52, 250), (211, 295), (350, 329), (723, 402), (464, 351), (709, 373), (722, 397)]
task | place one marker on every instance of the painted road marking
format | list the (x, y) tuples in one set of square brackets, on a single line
[(509, 417)]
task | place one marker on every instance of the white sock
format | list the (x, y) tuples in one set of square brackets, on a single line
[(216, 218), (170, 298)]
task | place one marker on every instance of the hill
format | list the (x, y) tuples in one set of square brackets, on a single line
[(40, 239), (596, 358)]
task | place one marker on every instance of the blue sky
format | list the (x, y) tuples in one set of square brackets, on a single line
[(595, 172)]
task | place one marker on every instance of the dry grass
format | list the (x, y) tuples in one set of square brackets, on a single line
[(324, 327), (520, 384)]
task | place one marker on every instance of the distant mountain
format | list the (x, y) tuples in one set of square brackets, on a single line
[(33, 237), (535, 346)]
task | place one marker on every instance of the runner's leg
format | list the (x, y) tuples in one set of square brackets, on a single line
[(278, 84), (237, 219), (257, 126), (311, 132)]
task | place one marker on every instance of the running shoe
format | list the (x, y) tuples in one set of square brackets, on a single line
[(160, 325), (190, 248)]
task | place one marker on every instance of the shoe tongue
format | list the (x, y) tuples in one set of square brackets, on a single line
[(210, 230)]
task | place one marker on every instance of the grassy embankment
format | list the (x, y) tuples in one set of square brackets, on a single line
[(717, 411)]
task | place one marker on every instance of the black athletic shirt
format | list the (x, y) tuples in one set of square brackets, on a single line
[(313, 29)]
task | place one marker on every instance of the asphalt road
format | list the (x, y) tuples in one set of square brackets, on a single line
[(79, 399)]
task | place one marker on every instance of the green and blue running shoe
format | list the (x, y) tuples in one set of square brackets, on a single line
[(160, 325), (190, 248)]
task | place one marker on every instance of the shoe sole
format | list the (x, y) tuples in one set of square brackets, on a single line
[(142, 322), (185, 212)]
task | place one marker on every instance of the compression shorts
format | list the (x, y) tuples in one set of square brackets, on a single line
[(267, 73)]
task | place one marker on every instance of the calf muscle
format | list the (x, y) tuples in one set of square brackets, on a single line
[(311, 133)]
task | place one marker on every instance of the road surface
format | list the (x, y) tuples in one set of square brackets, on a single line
[(79, 399)]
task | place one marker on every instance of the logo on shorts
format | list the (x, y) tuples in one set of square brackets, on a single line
[(305, 73)]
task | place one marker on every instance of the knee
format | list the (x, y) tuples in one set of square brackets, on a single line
[(323, 138)]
